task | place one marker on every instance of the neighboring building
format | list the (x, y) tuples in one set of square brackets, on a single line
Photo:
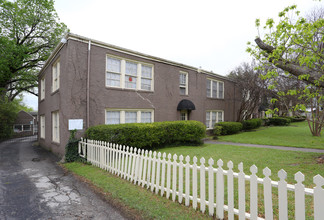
[(25, 124), (105, 84)]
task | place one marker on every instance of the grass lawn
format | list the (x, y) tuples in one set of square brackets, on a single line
[(150, 206), (295, 135)]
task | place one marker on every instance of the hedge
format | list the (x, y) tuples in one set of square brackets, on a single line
[(149, 135), (230, 127), (277, 121), (296, 118), (252, 124)]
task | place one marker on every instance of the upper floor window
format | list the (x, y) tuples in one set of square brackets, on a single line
[(128, 74), (42, 89), (121, 116), (56, 127), (42, 126), (215, 89), (183, 83), (56, 76)]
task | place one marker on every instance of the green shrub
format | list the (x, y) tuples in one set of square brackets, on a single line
[(71, 151), (217, 131), (296, 118), (252, 124), (230, 127), (278, 121), (149, 135)]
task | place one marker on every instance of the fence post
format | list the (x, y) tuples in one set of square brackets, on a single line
[(194, 183), (318, 197), (254, 193), (267, 191), (282, 194), (299, 197), (187, 180), (202, 185), (211, 187), (174, 178), (230, 190)]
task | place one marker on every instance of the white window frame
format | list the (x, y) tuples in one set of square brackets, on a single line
[(123, 74), (210, 124), (42, 126), (122, 119), (42, 89), (183, 115), (183, 86), (56, 127), (218, 94)]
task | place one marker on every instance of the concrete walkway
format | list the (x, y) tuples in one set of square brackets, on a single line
[(265, 146)]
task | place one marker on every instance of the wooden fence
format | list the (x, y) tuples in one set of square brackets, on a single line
[(176, 177)]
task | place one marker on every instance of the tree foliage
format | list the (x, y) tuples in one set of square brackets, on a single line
[(295, 45), (30, 29)]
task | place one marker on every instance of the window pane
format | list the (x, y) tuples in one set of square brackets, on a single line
[(146, 117), (213, 119), (131, 68), (26, 127), (207, 119), (220, 116), (208, 82), (183, 79), (113, 65), (17, 128), (130, 82), (113, 117), (130, 117), (221, 90), (214, 95), (146, 84), (182, 91), (113, 79), (146, 71)]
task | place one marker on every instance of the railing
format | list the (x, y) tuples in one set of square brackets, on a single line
[(184, 181)]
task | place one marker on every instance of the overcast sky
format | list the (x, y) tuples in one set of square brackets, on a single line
[(210, 34)]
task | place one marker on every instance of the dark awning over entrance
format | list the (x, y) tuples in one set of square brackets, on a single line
[(186, 104)]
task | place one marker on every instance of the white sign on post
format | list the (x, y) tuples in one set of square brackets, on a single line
[(75, 124)]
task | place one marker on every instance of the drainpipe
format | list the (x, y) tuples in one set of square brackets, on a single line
[(88, 86)]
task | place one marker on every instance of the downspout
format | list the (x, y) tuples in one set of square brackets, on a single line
[(88, 86)]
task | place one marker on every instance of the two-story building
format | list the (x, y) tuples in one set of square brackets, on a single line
[(99, 83)]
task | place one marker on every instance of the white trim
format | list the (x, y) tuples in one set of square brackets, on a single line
[(217, 91), (42, 89), (56, 71), (122, 114), (210, 125), (42, 126), (56, 126), (187, 83)]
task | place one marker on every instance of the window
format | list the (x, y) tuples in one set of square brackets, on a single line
[(55, 127), (18, 128), (26, 128), (129, 74), (42, 126), (214, 89), (213, 117), (121, 116), (183, 83), (56, 76), (42, 89)]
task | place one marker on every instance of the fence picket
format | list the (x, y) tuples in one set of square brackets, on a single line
[(144, 169), (230, 190), (137, 161), (149, 161), (141, 159), (130, 159), (267, 193), (194, 183), (282, 194), (220, 191), (174, 177), (119, 159), (163, 173), (126, 162), (158, 167), (202, 185), (180, 179), (299, 196), (254, 193), (153, 171), (187, 199), (168, 176), (211, 187), (318, 197)]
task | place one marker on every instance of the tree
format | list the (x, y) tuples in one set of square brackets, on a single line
[(30, 29), (296, 46), (252, 87)]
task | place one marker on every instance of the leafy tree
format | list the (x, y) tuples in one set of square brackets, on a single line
[(296, 46), (30, 29)]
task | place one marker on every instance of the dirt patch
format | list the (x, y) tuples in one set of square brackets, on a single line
[(320, 159)]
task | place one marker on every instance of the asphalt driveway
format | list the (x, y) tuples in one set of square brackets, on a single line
[(33, 186)]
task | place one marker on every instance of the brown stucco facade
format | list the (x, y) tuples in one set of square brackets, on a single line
[(83, 93)]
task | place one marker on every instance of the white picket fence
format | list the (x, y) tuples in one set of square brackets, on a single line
[(179, 179)]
